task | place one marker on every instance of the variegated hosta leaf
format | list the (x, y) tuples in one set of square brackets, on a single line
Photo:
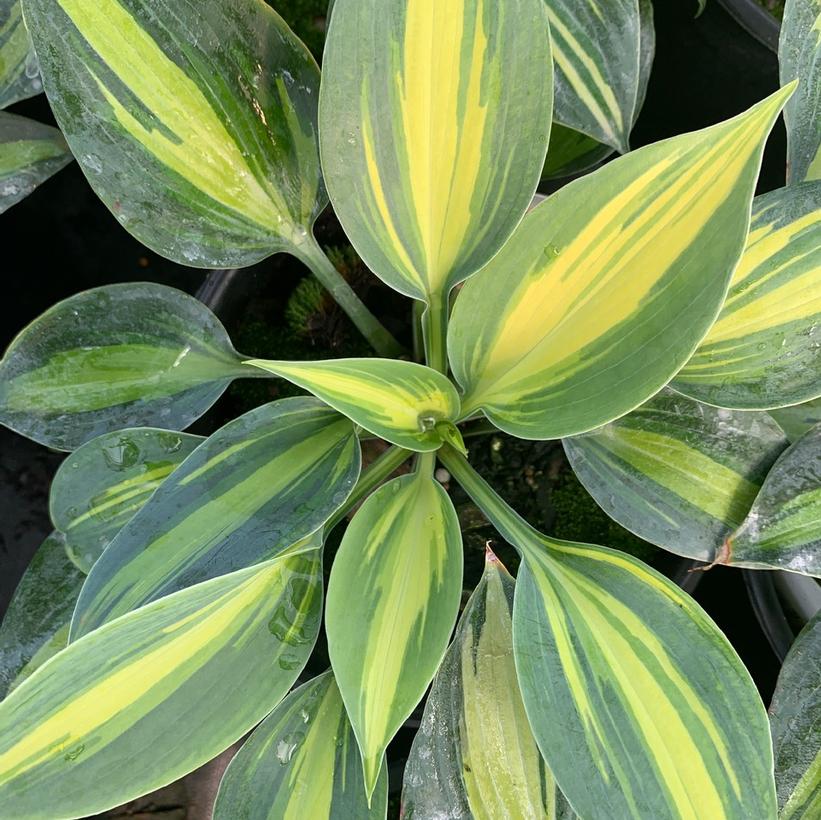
[(393, 597), (606, 288), (405, 403), (257, 486), (113, 357), (782, 528), (35, 626), (101, 486), (195, 122), (795, 718), (796, 420), (19, 72), (572, 152), (158, 692), (434, 125), (799, 57), (302, 761), (29, 154), (597, 55), (474, 754), (679, 474), (764, 350)]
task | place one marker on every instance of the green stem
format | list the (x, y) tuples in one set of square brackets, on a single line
[(369, 481), (418, 313), (368, 325), (481, 427), (435, 331)]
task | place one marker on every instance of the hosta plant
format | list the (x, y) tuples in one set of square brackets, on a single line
[(638, 314)]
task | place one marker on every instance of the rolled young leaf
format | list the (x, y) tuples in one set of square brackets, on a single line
[(302, 761), (799, 57), (195, 122), (795, 718), (35, 626), (102, 485), (434, 122), (29, 154), (782, 529), (796, 420), (405, 403), (257, 486), (158, 692), (19, 72), (113, 357), (606, 288), (677, 473), (393, 597), (474, 754), (764, 350)]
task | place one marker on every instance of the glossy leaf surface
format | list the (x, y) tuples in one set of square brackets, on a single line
[(35, 625), (113, 357), (679, 474), (260, 484), (393, 597), (29, 154), (795, 717), (606, 288), (195, 122), (782, 529), (19, 72), (764, 350), (434, 121), (799, 57), (571, 152), (474, 754), (796, 420), (125, 710), (302, 761), (100, 487), (399, 401)]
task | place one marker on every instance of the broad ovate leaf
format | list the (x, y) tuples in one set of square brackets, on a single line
[(605, 289), (405, 403), (799, 57), (253, 489), (434, 122), (19, 72), (393, 597), (796, 420), (100, 487), (35, 625), (680, 474), (782, 528), (195, 123), (795, 718), (764, 351), (302, 761), (113, 357), (474, 754), (29, 154), (158, 692)]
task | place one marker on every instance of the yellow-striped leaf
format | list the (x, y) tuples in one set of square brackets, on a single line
[(679, 474), (764, 350), (100, 487), (474, 754), (29, 154), (799, 57), (19, 72), (113, 357), (35, 625), (606, 288), (393, 597), (796, 420), (195, 122), (302, 763), (434, 121), (597, 56), (795, 717), (253, 489), (782, 528), (158, 692), (405, 403)]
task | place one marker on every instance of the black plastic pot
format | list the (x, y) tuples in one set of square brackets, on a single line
[(755, 20)]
